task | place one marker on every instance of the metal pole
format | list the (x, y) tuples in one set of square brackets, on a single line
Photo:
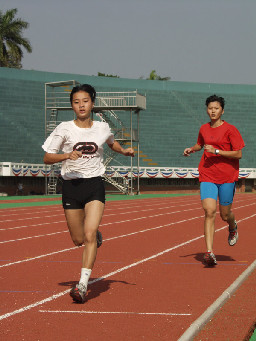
[(138, 149), (45, 127), (131, 157)]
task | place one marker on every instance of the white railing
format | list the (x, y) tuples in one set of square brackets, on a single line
[(41, 170), (120, 100)]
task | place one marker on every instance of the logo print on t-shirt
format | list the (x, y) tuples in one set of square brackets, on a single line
[(87, 148)]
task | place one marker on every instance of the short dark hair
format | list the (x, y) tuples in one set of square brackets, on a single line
[(84, 87), (215, 98)]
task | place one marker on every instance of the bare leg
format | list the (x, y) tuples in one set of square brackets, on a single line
[(75, 221), (83, 226), (93, 215), (209, 206), (227, 215)]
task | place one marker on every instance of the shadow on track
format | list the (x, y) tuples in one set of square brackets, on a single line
[(95, 289), (200, 258)]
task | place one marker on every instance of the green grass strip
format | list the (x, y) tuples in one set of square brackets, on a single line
[(113, 197), (30, 204), (109, 197), (253, 338), (26, 197)]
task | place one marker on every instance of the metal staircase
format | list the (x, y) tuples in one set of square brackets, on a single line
[(120, 183), (56, 102), (53, 179), (57, 109)]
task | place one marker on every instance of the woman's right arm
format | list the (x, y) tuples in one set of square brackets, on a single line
[(51, 158), (193, 149)]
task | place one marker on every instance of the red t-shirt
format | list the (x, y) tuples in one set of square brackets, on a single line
[(216, 168)]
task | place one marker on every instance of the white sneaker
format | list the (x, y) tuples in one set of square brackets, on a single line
[(210, 259), (78, 293), (233, 236)]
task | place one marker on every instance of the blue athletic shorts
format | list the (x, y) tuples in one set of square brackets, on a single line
[(225, 192)]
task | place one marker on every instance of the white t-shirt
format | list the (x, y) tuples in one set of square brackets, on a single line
[(67, 136)]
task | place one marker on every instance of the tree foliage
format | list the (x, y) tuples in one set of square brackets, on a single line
[(12, 40), (154, 76), (100, 74)]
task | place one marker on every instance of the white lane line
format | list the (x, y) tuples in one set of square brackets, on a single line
[(110, 206), (152, 204), (108, 239), (150, 216), (105, 215), (33, 225), (148, 209), (110, 312), (161, 214), (117, 237), (117, 222), (154, 228), (30, 218), (30, 212), (28, 307), (123, 221), (51, 298), (27, 208), (38, 257), (31, 237), (54, 233)]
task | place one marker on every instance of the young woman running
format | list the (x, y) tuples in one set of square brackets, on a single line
[(83, 193), (218, 171)]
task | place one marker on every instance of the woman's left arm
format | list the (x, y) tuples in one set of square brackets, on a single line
[(116, 147), (232, 154)]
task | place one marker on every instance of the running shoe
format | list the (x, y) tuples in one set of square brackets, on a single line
[(78, 293), (210, 259), (233, 236), (99, 238)]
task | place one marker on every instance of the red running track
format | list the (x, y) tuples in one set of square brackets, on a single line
[(148, 282)]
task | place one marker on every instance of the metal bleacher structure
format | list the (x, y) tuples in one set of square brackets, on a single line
[(106, 108)]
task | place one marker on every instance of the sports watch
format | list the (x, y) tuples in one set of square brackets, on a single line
[(217, 151)]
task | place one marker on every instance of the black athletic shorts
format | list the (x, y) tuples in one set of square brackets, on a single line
[(77, 193)]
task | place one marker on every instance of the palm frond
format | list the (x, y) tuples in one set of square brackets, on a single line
[(12, 41)]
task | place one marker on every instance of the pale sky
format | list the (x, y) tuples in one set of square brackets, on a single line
[(212, 41)]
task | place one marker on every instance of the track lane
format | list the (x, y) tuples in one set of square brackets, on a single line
[(123, 256), (8, 233), (151, 292), (113, 252)]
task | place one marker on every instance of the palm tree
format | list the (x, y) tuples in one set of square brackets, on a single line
[(154, 76), (11, 39)]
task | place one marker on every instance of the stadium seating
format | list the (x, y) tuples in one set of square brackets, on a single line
[(175, 111)]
